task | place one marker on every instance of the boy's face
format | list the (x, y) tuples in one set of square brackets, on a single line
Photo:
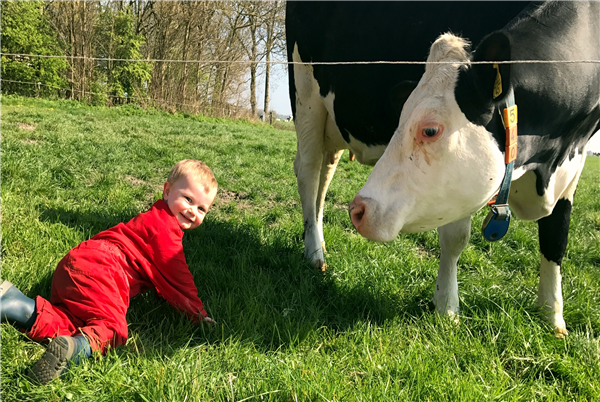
[(188, 201)]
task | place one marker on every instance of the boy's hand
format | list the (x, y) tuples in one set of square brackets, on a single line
[(208, 321)]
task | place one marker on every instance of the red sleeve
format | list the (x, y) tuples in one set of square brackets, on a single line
[(173, 279)]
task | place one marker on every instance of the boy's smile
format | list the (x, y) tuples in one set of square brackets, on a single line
[(188, 201)]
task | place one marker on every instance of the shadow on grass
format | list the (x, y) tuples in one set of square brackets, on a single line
[(255, 283), (88, 222)]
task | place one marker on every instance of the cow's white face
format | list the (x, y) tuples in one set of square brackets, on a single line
[(438, 167)]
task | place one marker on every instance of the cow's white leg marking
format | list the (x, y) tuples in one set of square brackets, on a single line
[(310, 120), (553, 233), (454, 237), (550, 295)]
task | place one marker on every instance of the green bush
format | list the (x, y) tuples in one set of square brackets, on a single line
[(25, 30), (99, 92)]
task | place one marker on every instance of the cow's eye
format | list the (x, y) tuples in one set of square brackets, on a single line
[(430, 131)]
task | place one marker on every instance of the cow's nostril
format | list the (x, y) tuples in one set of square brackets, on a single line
[(357, 211), (358, 214)]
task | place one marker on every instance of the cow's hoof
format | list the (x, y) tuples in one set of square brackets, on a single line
[(556, 320), (316, 260), (560, 332), (452, 316), (449, 317), (446, 308), (320, 265)]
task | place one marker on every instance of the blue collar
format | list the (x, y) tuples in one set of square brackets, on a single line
[(495, 225)]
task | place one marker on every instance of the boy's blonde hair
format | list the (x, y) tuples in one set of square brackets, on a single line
[(197, 169)]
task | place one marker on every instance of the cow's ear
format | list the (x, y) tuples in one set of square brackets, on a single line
[(492, 79), (400, 93)]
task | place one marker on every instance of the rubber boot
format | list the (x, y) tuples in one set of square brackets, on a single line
[(58, 357), (15, 307)]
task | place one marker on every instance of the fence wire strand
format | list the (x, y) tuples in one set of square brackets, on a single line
[(314, 63)]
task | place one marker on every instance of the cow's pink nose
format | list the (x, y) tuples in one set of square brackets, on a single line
[(357, 210)]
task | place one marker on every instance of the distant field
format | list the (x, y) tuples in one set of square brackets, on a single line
[(363, 331)]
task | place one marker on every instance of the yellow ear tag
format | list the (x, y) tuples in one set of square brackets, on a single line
[(497, 83)]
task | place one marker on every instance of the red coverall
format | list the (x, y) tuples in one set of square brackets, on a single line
[(94, 282)]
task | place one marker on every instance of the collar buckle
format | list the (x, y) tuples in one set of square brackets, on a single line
[(495, 224)]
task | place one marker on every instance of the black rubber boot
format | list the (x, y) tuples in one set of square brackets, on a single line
[(15, 307), (60, 354)]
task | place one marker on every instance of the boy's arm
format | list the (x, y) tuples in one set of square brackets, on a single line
[(173, 279)]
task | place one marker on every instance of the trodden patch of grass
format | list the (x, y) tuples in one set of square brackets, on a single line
[(361, 331)]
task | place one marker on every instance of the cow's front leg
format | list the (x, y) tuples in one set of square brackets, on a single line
[(310, 126), (553, 234), (330, 162), (454, 237), (308, 171)]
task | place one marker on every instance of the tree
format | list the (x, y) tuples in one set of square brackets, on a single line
[(116, 39), (228, 51), (218, 40), (74, 22), (253, 13), (25, 30), (274, 40)]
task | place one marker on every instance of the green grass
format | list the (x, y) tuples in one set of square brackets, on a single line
[(363, 331)]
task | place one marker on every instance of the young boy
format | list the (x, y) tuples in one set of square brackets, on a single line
[(93, 283)]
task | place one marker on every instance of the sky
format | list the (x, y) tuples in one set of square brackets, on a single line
[(280, 96), (280, 100), (594, 144)]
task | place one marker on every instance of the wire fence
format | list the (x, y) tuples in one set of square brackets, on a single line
[(229, 109), (317, 63)]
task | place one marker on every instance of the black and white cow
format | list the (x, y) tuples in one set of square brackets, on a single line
[(337, 107), (446, 159)]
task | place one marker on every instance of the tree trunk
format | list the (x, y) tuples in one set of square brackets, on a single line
[(253, 68), (83, 29), (184, 72), (73, 49), (269, 46)]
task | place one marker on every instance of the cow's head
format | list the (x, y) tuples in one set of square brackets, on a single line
[(440, 166)]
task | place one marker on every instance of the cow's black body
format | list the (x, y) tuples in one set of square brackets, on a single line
[(378, 31)]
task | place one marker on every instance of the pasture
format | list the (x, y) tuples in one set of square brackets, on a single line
[(362, 331)]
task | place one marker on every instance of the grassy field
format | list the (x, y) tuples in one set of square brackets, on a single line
[(362, 331)]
